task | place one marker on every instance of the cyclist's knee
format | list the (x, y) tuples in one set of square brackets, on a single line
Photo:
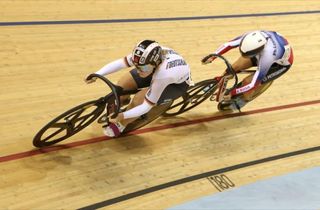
[(242, 63), (139, 98), (127, 82), (125, 100)]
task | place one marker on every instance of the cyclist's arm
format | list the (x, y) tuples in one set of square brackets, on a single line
[(254, 82), (228, 46), (116, 66), (263, 67), (138, 110), (223, 49)]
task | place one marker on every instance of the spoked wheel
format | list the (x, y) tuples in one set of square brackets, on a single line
[(69, 123), (153, 114), (194, 96)]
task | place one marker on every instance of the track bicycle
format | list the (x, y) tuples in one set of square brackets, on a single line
[(76, 119), (213, 89)]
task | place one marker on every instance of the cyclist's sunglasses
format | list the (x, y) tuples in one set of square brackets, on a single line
[(145, 68)]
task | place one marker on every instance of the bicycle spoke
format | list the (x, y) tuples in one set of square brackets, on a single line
[(185, 102), (82, 119), (76, 121), (54, 134), (195, 98), (59, 125), (199, 90), (198, 97), (177, 104), (183, 106), (74, 116)]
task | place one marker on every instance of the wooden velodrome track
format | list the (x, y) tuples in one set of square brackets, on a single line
[(42, 71)]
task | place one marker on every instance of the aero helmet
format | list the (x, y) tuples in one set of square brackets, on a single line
[(252, 43)]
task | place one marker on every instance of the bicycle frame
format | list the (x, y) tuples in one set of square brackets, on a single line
[(224, 79), (222, 83), (117, 91)]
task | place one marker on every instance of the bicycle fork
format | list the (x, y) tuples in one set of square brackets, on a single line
[(222, 91)]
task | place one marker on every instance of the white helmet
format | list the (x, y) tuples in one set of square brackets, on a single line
[(252, 43)]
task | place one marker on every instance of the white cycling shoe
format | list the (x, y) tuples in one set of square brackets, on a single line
[(113, 129)]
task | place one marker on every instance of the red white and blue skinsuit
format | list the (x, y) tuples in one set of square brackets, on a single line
[(273, 61)]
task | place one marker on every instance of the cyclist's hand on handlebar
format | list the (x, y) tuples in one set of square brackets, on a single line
[(208, 59), (88, 81)]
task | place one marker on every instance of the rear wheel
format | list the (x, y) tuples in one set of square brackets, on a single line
[(194, 96), (69, 123)]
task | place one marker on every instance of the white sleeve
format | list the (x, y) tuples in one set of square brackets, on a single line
[(114, 66), (137, 111)]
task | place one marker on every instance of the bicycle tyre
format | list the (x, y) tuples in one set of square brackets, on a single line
[(73, 123), (194, 96)]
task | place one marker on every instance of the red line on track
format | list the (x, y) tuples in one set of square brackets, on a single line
[(146, 130)]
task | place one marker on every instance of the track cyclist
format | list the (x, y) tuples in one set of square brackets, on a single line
[(160, 73), (269, 51)]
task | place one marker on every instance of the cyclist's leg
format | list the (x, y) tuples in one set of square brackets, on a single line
[(243, 63), (240, 64), (258, 90), (241, 100), (275, 72), (116, 128), (136, 101), (132, 81), (171, 92)]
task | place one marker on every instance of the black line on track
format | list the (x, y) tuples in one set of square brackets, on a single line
[(135, 20), (196, 177)]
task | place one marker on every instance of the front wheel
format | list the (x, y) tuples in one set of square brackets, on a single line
[(69, 123), (194, 96)]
